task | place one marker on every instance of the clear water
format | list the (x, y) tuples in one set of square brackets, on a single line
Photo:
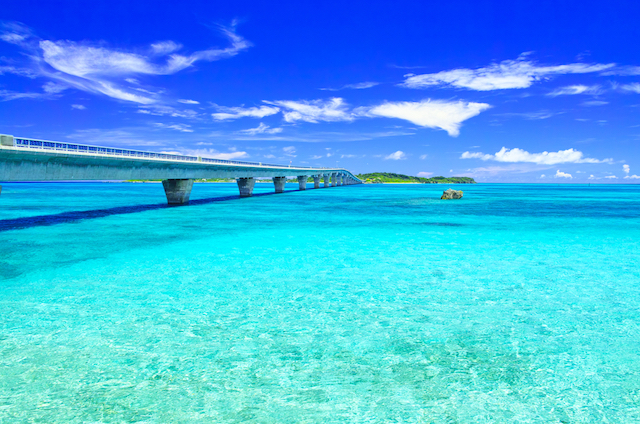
[(363, 304)]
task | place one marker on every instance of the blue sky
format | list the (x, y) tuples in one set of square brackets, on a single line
[(541, 91)]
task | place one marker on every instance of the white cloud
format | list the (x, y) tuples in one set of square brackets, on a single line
[(519, 73), (7, 95), (593, 177), (358, 86), (314, 111), (542, 176), (560, 174), (53, 88), (188, 102), (430, 113), (576, 89), (94, 68), (626, 168), (165, 47), (79, 107), (634, 87), (632, 177), (544, 158), (423, 157), (533, 116), (261, 129), (425, 174), (163, 110), (399, 155), (317, 157), (594, 103), (240, 112), (177, 127), (611, 177), (289, 150)]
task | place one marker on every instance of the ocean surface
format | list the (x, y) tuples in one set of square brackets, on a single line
[(358, 304)]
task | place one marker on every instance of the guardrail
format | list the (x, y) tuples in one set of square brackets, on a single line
[(111, 151)]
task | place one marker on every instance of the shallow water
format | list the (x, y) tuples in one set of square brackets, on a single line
[(376, 303)]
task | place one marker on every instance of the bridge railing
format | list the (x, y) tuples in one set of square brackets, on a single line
[(111, 151)]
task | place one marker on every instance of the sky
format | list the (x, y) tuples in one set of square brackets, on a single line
[(544, 91)]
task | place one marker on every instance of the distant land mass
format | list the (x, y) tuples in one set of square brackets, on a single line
[(388, 177)]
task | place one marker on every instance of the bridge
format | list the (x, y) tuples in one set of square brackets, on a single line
[(25, 159)]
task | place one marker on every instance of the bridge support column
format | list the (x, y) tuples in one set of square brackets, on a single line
[(0, 189), (279, 183), (316, 181), (177, 191), (333, 180), (302, 182), (245, 185), (340, 179), (325, 177)]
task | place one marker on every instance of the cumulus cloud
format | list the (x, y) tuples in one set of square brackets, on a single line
[(225, 113), (425, 174), (560, 174), (399, 155), (626, 168), (261, 129), (593, 177), (544, 158), (314, 111), (632, 177), (78, 107), (611, 177), (519, 73), (94, 68), (575, 89), (446, 115)]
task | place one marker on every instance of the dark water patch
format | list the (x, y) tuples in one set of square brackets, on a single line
[(74, 216)]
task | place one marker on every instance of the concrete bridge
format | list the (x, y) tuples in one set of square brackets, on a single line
[(24, 159)]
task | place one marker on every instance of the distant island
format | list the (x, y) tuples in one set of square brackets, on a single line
[(388, 177)]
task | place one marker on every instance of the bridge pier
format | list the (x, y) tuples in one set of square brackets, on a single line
[(333, 180), (245, 185), (177, 191), (279, 183), (340, 180), (325, 177), (302, 182), (0, 189), (316, 181)]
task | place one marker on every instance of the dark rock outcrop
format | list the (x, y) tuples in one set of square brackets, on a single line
[(452, 194)]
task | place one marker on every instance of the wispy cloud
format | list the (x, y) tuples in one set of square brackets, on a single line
[(188, 102), (544, 158), (508, 74), (314, 111), (177, 127), (634, 87), (227, 113), (425, 174), (358, 86), (576, 89), (94, 68), (78, 107), (446, 115), (532, 116), (261, 129)]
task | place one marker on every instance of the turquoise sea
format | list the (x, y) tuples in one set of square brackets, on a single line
[(358, 304)]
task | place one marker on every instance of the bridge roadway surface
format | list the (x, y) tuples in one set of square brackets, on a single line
[(24, 159)]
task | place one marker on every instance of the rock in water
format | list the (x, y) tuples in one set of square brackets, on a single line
[(452, 194)]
